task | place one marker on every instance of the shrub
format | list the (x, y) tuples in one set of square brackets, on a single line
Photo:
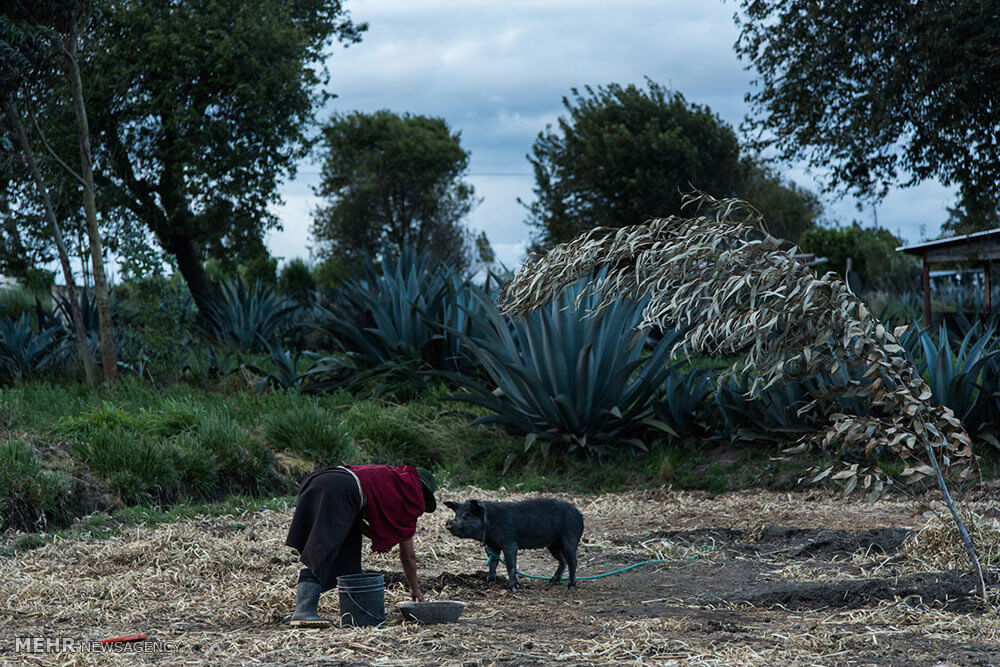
[(16, 301), (30, 497), (296, 279), (155, 320), (243, 462), (312, 432)]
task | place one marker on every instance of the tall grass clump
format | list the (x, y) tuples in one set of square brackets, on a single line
[(175, 416), (243, 461), (391, 434), (30, 497), (195, 466), (136, 467), (311, 432), (102, 417)]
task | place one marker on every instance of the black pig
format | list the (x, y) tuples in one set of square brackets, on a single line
[(530, 524)]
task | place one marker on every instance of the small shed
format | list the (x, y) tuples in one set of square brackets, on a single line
[(979, 249)]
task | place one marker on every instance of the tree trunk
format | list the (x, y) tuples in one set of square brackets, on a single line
[(50, 215), (204, 291), (109, 357)]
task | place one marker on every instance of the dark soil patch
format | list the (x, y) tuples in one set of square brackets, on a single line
[(782, 542), (953, 591)]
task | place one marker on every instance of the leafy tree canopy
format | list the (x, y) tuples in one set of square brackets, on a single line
[(393, 181), (624, 154), (200, 109), (880, 92)]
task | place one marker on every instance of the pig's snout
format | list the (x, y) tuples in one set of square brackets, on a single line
[(449, 524)]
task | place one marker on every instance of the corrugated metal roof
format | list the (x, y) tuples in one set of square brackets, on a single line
[(966, 239)]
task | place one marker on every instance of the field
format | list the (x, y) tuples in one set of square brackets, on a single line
[(751, 577)]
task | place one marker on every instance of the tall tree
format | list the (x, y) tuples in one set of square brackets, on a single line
[(787, 209), (23, 37), (392, 181), (624, 154), (881, 92), (71, 21), (204, 108)]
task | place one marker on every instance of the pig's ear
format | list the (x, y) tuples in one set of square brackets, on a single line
[(477, 508), (452, 504)]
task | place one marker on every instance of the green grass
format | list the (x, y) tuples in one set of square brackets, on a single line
[(10, 411), (106, 524), (30, 497), (311, 432), (153, 454)]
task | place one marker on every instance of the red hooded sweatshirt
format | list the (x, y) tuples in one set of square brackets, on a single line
[(395, 499)]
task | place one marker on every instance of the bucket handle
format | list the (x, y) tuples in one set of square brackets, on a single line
[(380, 619)]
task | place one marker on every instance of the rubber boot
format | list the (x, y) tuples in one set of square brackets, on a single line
[(306, 601)]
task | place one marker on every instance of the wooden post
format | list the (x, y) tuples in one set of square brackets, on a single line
[(986, 283), (927, 289)]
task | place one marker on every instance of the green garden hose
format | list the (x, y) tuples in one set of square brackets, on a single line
[(492, 556)]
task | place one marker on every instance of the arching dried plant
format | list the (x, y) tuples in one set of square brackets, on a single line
[(741, 294)]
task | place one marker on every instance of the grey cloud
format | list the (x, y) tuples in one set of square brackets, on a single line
[(496, 71)]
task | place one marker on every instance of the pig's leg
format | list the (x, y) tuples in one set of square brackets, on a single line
[(492, 576), (556, 551), (569, 553), (510, 555)]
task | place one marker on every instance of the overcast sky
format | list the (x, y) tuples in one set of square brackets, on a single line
[(497, 70)]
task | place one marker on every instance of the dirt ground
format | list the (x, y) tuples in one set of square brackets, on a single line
[(750, 578)]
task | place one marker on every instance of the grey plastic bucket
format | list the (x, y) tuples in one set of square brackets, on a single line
[(362, 599)]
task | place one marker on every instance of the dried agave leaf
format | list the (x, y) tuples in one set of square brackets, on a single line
[(747, 297)]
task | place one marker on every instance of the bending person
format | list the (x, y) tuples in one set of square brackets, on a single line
[(335, 507)]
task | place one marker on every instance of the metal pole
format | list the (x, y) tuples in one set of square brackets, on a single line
[(986, 283), (927, 289)]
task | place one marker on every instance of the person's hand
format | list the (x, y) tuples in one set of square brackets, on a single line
[(417, 596)]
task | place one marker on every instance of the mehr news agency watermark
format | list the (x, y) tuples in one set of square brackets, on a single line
[(130, 644)]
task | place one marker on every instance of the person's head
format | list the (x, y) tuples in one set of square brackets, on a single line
[(429, 485)]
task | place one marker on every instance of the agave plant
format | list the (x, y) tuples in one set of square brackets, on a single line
[(316, 374), (772, 414), (396, 320), (565, 379), (249, 317), (962, 374), (682, 397), (794, 407), (22, 350)]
